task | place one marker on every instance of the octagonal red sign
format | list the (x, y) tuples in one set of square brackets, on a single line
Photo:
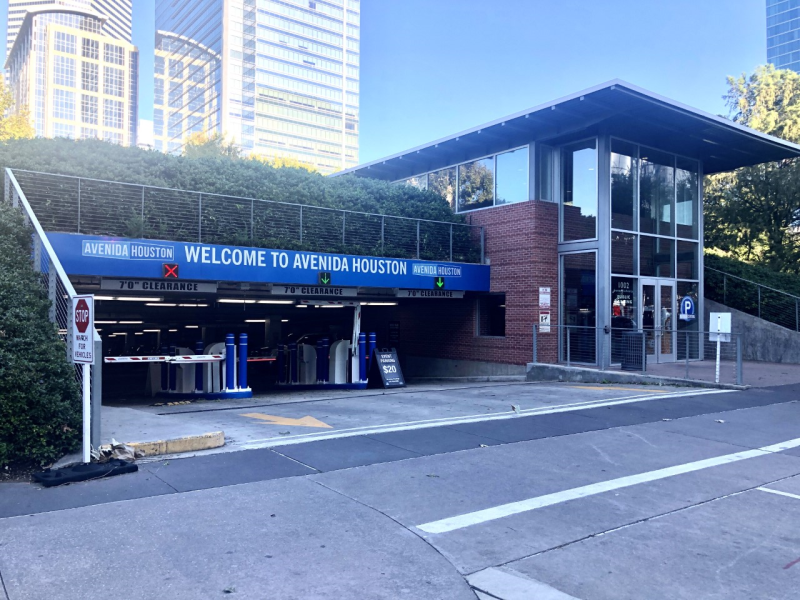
[(82, 315)]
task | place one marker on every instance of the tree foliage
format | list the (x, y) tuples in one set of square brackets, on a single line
[(753, 213), (16, 123), (40, 410), (202, 145)]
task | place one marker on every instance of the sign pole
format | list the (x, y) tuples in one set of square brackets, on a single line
[(87, 414), (716, 375)]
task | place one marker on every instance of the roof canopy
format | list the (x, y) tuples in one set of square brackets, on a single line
[(616, 107)]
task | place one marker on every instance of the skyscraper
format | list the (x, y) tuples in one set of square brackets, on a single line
[(277, 77), (77, 80), (117, 12), (783, 34)]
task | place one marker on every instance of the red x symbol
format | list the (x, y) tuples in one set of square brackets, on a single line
[(170, 271)]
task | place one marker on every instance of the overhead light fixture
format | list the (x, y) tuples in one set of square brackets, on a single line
[(159, 304), (98, 329), (139, 333), (121, 333), (192, 305), (255, 320), (379, 303), (235, 301), (192, 326), (276, 301), (105, 322), (131, 322), (151, 330), (302, 306), (332, 306), (139, 299), (173, 330), (104, 297), (284, 320)]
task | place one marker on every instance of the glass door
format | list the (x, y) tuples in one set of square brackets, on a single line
[(657, 318)]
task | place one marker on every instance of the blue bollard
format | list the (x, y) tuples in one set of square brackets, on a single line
[(164, 372), (326, 364), (230, 363), (281, 364), (320, 371), (173, 372), (198, 368), (293, 361), (373, 342), (362, 356), (242, 361)]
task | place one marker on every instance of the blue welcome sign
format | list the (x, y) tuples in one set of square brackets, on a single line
[(122, 257), (686, 312)]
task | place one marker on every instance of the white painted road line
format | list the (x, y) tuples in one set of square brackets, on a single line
[(514, 508), (424, 424), (779, 493)]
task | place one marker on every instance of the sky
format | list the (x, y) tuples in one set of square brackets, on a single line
[(431, 68)]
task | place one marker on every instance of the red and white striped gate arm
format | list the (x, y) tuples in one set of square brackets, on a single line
[(192, 358)]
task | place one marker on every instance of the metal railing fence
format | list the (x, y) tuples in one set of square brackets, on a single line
[(56, 284), (753, 298), (95, 207), (677, 353)]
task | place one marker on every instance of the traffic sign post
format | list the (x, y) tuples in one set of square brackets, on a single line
[(83, 354)]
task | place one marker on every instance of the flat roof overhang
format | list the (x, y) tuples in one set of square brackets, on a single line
[(617, 107)]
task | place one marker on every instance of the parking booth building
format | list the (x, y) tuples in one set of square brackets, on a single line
[(592, 209)]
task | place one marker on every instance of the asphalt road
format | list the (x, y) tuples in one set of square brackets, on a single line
[(671, 498)]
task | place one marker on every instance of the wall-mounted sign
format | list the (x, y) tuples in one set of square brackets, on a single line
[(687, 309), (544, 297), (156, 285), (144, 259), (544, 321), (429, 294), (314, 290)]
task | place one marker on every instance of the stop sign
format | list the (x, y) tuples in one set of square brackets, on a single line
[(81, 315)]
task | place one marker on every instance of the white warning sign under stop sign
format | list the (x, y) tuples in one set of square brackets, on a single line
[(83, 329)]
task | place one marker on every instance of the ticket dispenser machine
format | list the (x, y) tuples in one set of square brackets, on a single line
[(340, 353), (307, 359)]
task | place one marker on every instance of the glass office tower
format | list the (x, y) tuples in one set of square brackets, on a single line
[(116, 12), (278, 78), (783, 34)]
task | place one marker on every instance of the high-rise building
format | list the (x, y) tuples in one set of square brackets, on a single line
[(783, 34), (276, 77), (77, 80), (118, 15)]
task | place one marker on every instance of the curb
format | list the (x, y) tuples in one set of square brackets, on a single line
[(189, 443)]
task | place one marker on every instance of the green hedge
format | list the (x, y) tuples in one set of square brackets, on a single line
[(40, 410)]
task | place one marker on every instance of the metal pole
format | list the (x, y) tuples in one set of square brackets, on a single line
[(97, 392), (451, 242), (417, 238), (142, 212), (79, 205), (301, 223), (200, 219), (534, 344), (87, 413), (739, 377), (686, 351), (568, 353), (759, 302), (644, 352)]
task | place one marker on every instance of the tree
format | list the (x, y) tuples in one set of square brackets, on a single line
[(202, 145), (281, 161), (753, 214), (16, 124)]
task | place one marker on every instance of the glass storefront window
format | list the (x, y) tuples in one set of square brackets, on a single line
[(624, 313), (444, 183), (656, 192), (544, 173), (686, 264), (656, 257), (687, 189), (420, 182), (624, 174), (512, 176), (579, 191), (623, 253), (476, 184), (579, 306)]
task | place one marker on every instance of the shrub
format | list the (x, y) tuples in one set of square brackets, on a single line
[(40, 410)]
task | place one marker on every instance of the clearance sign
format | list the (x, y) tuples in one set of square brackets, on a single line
[(144, 259)]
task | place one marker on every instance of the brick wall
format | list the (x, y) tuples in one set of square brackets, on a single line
[(522, 244)]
